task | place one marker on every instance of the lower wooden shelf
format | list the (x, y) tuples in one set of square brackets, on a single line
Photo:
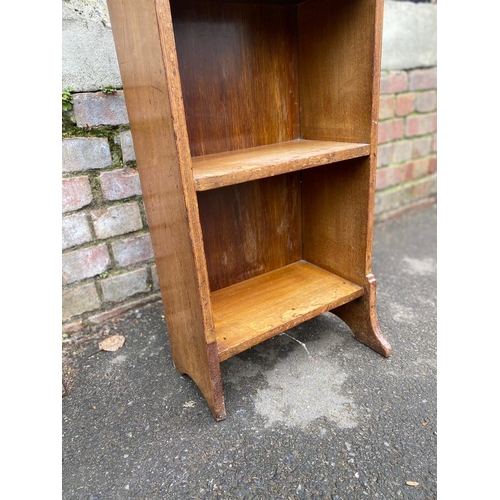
[(249, 312)]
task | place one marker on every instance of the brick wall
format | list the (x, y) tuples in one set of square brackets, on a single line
[(107, 258), (407, 160)]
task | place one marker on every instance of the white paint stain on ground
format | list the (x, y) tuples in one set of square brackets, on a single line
[(419, 267), (302, 387)]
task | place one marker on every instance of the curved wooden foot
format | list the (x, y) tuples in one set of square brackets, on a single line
[(205, 372), (361, 317)]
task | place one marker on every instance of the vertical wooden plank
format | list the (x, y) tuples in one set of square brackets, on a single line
[(336, 46), (334, 217), (251, 228), (146, 52), (238, 67)]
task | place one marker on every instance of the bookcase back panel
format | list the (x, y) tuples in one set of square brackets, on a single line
[(250, 228), (238, 69), (335, 54), (336, 218)]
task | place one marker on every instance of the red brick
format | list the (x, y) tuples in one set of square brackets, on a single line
[(426, 101), (423, 79), (120, 184), (397, 129), (432, 165), (421, 124), (116, 220), (79, 300), (133, 250), (434, 144), (381, 182), (393, 82), (407, 172), (96, 108), (84, 263), (405, 104), (386, 109), (384, 132), (76, 193), (72, 328)]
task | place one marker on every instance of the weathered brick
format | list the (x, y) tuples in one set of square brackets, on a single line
[(84, 263), (407, 172), (401, 151), (381, 180), (397, 129), (421, 146), (154, 276), (384, 132), (102, 317), (133, 250), (392, 199), (120, 184), (118, 288), (76, 193), (434, 145), (75, 327), (432, 165), (384, 155), (426, 101), (421, 124), (85, 153), (119, 219), (96, 108), (393, 82), (79, 300), (127, 145), (423, 189), (75, 231), (423, 79), (420, 167), (386, 109), (405, 104)]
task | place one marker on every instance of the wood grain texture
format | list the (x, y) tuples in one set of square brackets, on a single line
[(361, 317), (251, 228), (335, 53), (238, 68), (257, 309), (224, 169), (147, 60), (335, 218)]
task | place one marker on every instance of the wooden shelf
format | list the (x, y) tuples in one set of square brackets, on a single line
[(257, 309), (234, 167)]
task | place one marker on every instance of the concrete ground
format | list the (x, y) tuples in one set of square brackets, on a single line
[(311, 413)]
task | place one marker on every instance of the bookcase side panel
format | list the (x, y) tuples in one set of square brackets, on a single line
[(146, 54), (336, 41)]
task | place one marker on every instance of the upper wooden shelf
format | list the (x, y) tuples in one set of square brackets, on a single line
[(234, 167)]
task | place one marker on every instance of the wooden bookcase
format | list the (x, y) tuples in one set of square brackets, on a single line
[(255, 130)]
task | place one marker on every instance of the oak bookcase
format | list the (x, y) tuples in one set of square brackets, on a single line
[(255, 130)]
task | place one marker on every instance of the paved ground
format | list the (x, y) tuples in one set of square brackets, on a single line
[(323, 418)]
